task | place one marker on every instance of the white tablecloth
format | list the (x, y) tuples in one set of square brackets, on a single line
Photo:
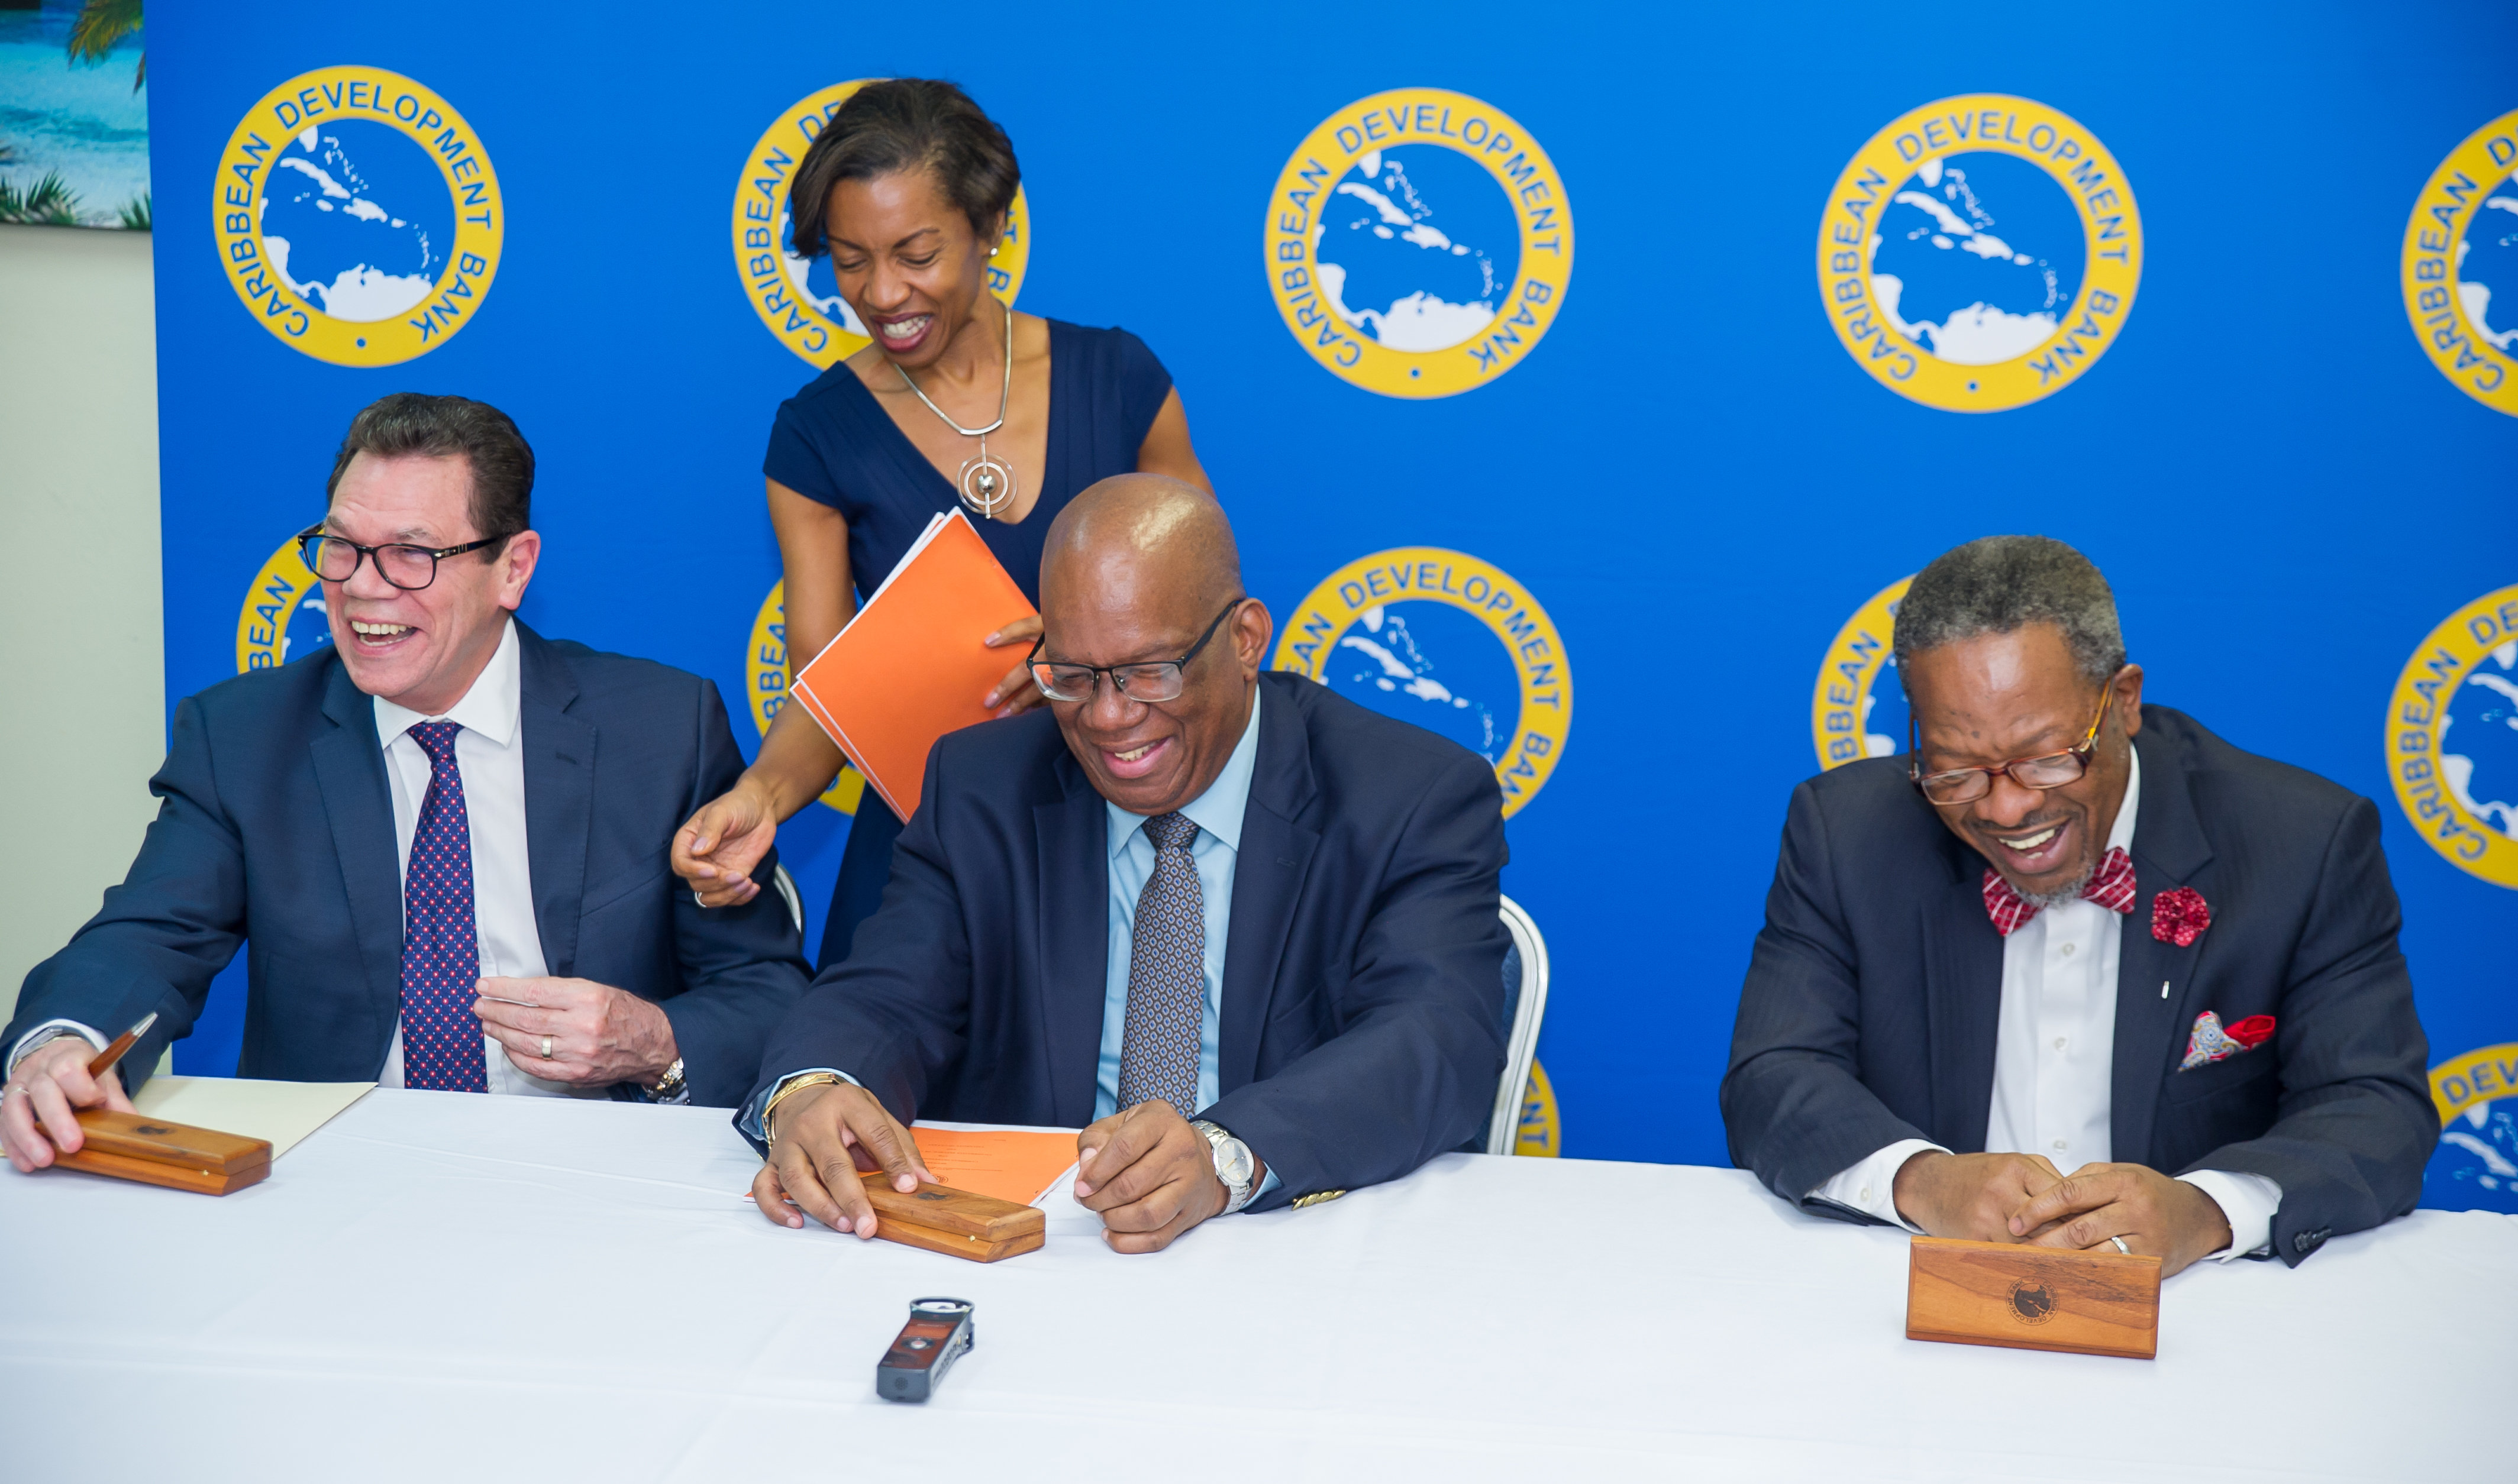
[(442, 1286)]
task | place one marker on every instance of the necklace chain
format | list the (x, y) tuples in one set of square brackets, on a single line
[(987, 484)]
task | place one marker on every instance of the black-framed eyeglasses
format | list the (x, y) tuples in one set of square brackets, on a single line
[(1965, 785), (1150, 681), (336, 558)]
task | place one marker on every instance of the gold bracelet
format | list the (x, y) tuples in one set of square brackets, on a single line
[(796, 1084)]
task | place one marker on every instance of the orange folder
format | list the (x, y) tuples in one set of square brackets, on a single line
[(1017, 1164), (910, 666)]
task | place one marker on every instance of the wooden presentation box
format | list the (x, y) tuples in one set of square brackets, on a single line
[(2033, 1297), (132, 1147), (958, 1223)]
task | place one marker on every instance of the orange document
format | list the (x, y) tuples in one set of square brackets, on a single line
[(1015, 1165), (910, 666)]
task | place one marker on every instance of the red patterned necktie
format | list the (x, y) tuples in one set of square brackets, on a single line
[(2111, 886), (441, 951)]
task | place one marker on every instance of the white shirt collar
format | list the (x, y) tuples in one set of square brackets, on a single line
[(1218, 810), (489, 708), (2121, 836)]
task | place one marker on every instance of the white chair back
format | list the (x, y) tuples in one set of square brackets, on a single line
[(1530, 1008)]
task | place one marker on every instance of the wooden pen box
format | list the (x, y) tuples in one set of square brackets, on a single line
[(130, 1146), (958, 1223), (2033, 1297)]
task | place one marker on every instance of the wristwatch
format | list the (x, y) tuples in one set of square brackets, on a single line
[(671, 1088), (1234, 1165)]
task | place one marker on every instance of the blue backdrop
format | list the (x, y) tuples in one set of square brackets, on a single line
[(1692, 475)]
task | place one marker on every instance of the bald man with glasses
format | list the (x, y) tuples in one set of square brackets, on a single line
[(2074, 970), (1240, 929)]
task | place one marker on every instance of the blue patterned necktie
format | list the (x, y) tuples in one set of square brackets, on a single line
[(1166, 975), (441, 951)]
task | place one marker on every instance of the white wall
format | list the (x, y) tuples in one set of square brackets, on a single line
[(82, 649)]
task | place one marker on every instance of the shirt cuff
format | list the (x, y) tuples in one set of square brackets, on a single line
[(747, 1122), (17, 1052), (1869, 1187), (2247, 1202)]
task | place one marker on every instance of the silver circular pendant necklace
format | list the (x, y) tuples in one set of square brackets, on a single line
[(987, 483)]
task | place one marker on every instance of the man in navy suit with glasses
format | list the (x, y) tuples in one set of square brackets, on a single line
[(441, 839), (2074, 970)]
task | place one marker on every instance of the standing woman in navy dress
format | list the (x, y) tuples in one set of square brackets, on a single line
[(908, 188)]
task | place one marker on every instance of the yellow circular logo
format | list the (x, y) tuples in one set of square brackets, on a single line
[(1449, 642), (1979, 253), (2476, 1164), (768, 664), (1853, 715), (1419, 242), (1538, 1132), (2452, 738), (284, 615), (798, 299), (2461, 265), (358, 217)]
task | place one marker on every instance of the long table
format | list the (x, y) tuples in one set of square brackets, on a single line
[(442, 1286)]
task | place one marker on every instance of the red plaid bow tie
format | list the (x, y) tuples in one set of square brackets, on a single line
[(2111, 886)]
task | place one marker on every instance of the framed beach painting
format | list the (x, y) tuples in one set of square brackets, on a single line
[(73, 113)]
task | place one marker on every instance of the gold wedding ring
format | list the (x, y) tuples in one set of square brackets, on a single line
[(546, 1055)]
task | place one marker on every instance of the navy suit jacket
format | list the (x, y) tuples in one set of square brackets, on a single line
[(1360, 1034), (276, 830), (1876, 986)]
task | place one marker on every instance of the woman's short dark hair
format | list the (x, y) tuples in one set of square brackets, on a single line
[(906, 123), (417, 425)]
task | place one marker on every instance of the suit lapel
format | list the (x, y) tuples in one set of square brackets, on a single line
[(1072, 835), (357, 806), (1963, 995), (559, 796), (2168, 851), (1268, 873)]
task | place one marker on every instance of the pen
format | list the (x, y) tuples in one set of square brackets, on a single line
[(106, 1058)]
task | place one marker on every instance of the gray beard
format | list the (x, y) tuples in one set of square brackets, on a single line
[(2042, 900)]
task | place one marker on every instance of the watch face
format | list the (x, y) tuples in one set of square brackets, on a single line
[(1232, 1162)]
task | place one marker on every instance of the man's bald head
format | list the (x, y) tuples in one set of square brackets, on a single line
[(1147, 536), (1141, 569)]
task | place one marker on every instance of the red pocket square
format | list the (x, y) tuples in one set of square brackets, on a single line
[(2212, 1042), (2179, 916)]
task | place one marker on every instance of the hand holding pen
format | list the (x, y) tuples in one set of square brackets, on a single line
[(39, 1105)]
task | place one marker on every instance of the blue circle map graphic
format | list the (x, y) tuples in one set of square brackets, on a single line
[(358, 220), (2487, 267), (1418, 247), (2476, 1164), (2478, 736), (1434, 666), (1978, 258)]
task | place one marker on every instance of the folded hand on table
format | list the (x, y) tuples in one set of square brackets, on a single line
[(827, 1140), (576, 1031), (39, 1108), (1150, 1176), (1969, 1195), (2155, 1215)]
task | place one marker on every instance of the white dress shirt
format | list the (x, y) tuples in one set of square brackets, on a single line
[(2054, 1061), (489, 753)]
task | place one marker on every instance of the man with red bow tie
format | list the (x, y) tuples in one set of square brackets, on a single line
[(2067, 944)]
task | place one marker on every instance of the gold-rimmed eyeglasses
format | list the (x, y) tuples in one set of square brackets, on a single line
[(1965, 785)]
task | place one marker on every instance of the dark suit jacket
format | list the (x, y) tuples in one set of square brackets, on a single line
[(1362, 975), (276, 830), (1875, 988)]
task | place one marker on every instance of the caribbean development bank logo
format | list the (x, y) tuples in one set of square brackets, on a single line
[(799, 300), (2460, 266), (1979, 253), (358, 217), (766, 663), (284, 615), (1449, 642), (2476, 1164), (1858, 710), (2452, 738), (1419, 242)]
